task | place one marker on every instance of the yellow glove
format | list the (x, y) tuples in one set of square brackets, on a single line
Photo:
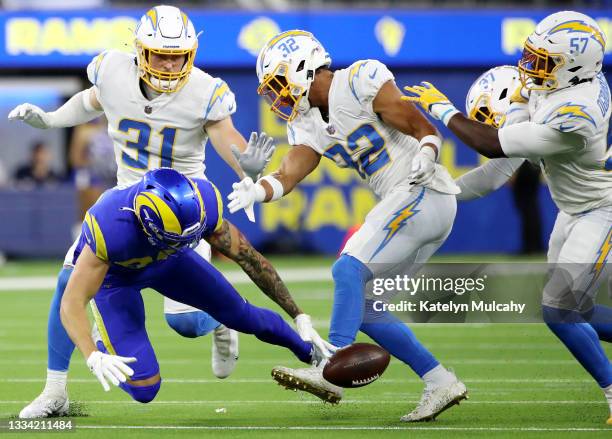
[(432, 101)]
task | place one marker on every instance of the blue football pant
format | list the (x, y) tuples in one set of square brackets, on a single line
[(189, 279)]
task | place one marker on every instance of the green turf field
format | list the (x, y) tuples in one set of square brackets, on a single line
[(522, 382)]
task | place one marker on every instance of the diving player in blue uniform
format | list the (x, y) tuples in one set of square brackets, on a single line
[(142, 236)]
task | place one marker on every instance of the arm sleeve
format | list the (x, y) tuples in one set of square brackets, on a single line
[(221, 102), (76, 111), (528, 139), (93, 236), (487, 178)]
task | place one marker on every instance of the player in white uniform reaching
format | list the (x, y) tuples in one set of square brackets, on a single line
[(161, 111), (559, 117), (356, 117)]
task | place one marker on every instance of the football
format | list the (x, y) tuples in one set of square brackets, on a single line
[(356, 365)]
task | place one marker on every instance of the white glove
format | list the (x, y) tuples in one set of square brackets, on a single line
[(245, 195), (32, 115), (308, 333), (256, 156), (110, 367), (423, 166)]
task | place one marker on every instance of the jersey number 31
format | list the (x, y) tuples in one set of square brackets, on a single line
[(141, 161)]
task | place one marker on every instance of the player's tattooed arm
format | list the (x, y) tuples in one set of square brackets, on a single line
[(232, 243)]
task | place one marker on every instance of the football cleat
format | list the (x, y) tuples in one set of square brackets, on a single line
[(309, 380), (435, 400), (51, 402), (224, 351)]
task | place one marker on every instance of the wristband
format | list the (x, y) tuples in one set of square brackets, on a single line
[(277, 187), (448, 113), (432, 140)]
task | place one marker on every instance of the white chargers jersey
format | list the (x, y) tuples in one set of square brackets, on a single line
[(577, 174), (356, 137), (166, 131)]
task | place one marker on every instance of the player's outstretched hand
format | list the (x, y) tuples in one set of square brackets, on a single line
[(244, 196), (423, 166), (308, 333), (431, 100), (30, 114), (110, 367), (256, 156)]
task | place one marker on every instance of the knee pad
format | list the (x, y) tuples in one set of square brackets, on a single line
[(143, 394), (186, 324), (347, 268)]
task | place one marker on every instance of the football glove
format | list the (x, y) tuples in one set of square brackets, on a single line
[(520, 95), (423, 166), (32, 115), (309, 334), (256, 156), (110, 367), (432, 101), (246, 193)]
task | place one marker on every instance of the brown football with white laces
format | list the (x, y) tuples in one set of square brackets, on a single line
[(356, 365)]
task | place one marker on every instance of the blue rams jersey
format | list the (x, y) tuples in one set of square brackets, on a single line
[(115, 235)]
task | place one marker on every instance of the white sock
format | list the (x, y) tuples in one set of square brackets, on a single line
[(438, 376), (608, 392), (56, 380)]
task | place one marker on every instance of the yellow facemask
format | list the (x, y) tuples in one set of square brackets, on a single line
[(281, 94), (175, 80), (537, 68), (483, 112)]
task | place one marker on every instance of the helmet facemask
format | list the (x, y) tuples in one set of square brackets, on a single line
[(159, 80), (537, 68), (483, 112), (283, 96)]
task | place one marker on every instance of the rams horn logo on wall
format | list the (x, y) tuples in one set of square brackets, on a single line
[(390, 34)]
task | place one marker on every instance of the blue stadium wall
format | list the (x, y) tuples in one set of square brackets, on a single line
[(450, 49)]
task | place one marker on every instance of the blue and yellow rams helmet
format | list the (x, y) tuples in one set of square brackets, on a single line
[(170, 208)]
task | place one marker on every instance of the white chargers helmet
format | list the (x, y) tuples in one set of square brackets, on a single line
[(165, 30), (286, 67), (489, 97), (565, 49)]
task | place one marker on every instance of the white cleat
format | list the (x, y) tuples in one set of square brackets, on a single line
[(435, 400), (49, 403), (224, 351), (309, 380)]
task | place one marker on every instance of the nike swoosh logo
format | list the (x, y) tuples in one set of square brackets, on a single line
[(231, 107), (373, 74)]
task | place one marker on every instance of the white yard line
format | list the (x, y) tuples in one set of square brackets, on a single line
[(316, 401), (307, 274), (269, 380), (330, 428)]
